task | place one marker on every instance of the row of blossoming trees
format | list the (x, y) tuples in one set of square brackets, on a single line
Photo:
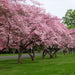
[(23, 26)]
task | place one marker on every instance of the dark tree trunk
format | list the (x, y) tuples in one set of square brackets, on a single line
[(44, 54), (51, 56), (19, 56), (64, 52), (54, 54), (33, 57)]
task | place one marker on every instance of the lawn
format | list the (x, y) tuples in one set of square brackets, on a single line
[(12, 54), (62, 65)]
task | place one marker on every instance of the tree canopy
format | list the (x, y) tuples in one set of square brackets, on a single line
[(69, 18), (21, 27)]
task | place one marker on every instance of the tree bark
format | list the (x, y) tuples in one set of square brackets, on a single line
[(33, 57), (55, 53), (19, 56), (51, 56), (43, 55)]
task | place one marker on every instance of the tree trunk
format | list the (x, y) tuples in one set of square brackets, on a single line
[(19, 56), (64, 52), (51, 56), (14, 51), (43, 55), (33, 57), (54, 54)]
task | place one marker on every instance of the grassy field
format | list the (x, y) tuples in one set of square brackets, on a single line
[(62, 65), (12, 54)]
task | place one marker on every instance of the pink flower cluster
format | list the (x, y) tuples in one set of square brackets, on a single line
[(22, 25)]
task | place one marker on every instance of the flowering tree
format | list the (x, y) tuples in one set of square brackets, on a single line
[(16, 25), (21, 27), (62, 36), (72, 33)]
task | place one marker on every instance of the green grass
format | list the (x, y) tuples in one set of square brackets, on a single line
[(11, 54), (8, 54), (62, 65)]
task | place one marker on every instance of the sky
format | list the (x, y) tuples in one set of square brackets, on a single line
[(57, 7)]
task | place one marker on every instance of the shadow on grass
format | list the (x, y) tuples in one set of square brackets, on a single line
[(2, 68), (15, 61), (8, 61)]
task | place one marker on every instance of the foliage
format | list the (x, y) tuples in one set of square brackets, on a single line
[(39, 48), (69, 18), (72, 33), (22, 28)]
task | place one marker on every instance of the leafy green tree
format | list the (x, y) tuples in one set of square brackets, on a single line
[(69, 19)]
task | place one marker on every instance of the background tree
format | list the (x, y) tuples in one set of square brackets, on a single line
[(69, 18)]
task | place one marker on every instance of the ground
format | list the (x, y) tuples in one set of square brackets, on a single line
[(61, 65)]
